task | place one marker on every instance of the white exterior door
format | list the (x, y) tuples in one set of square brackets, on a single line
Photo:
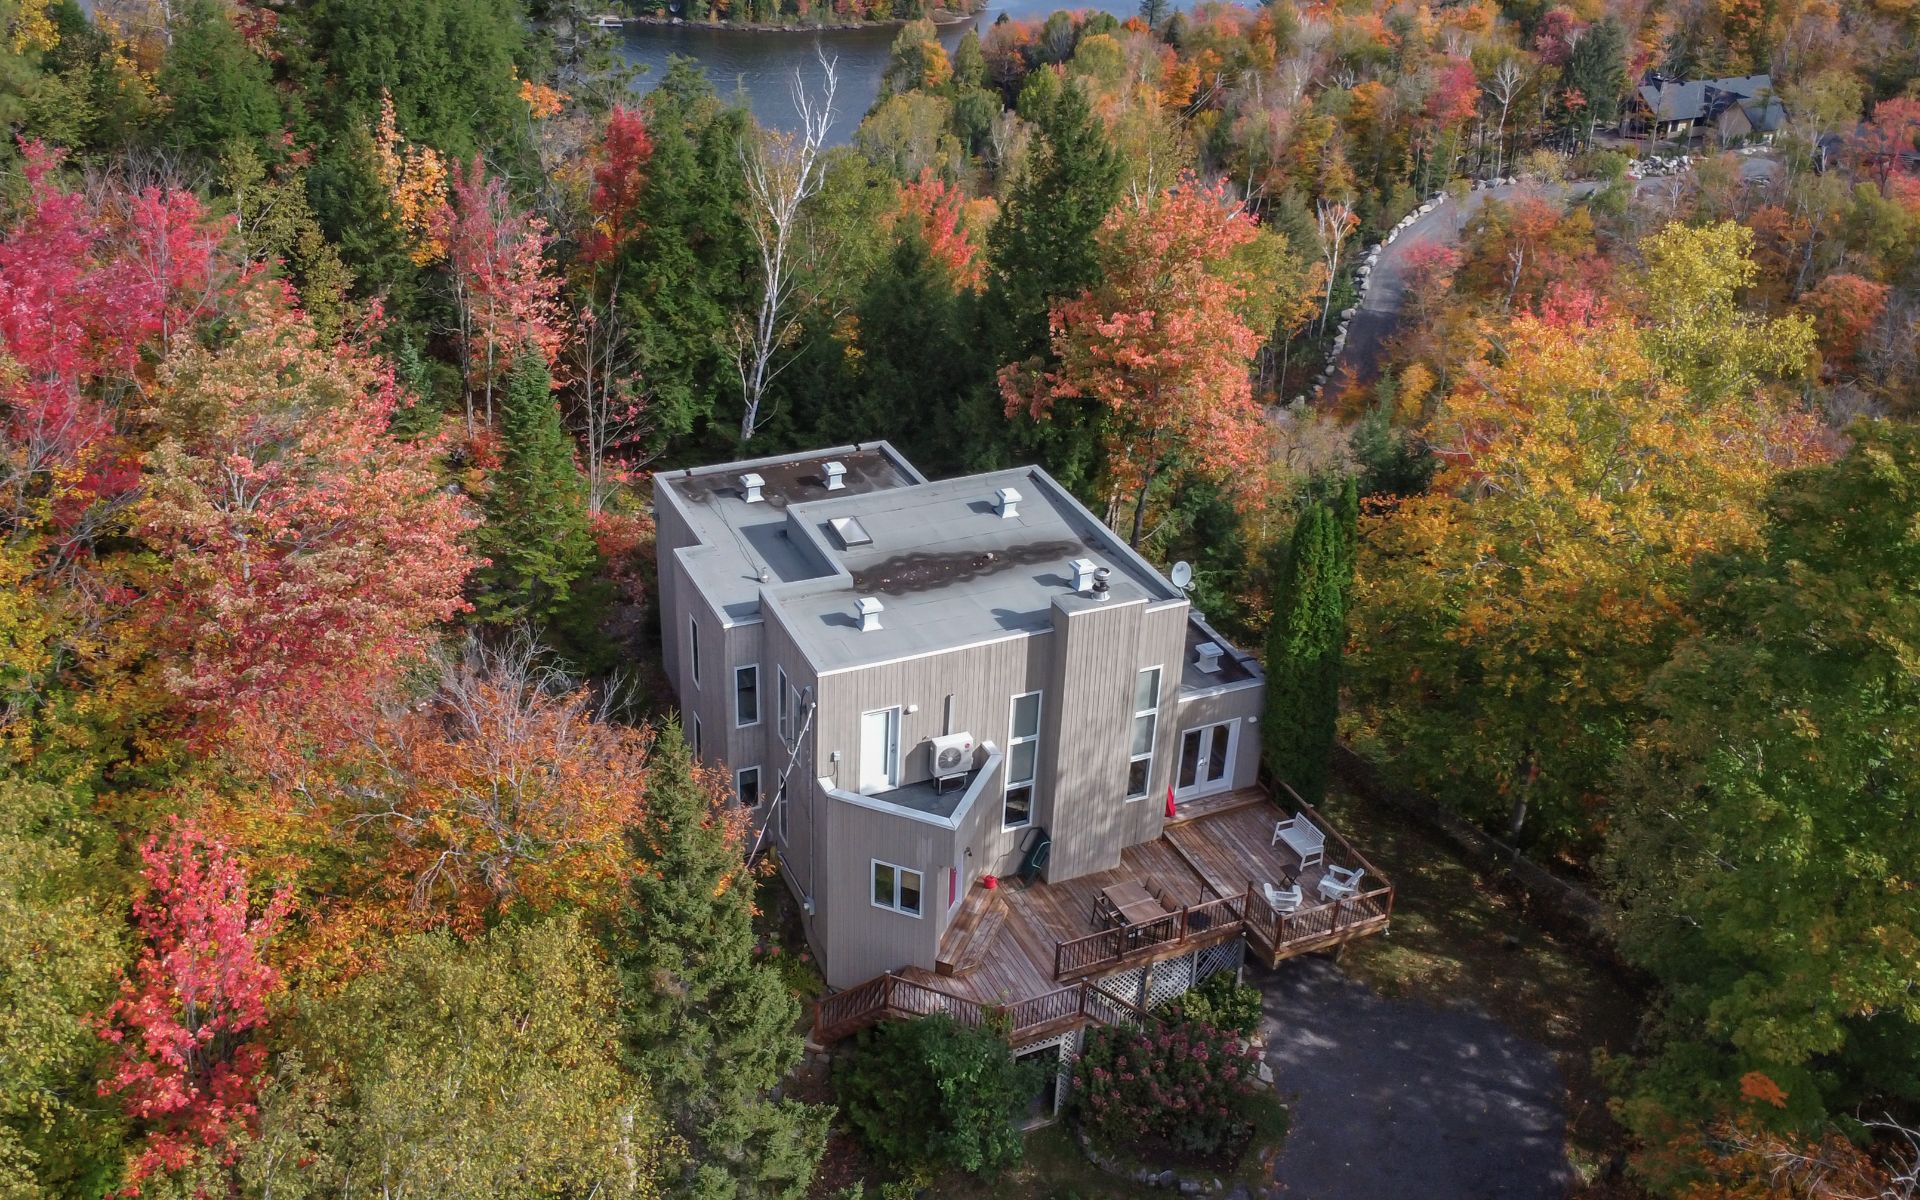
[(879, 751), (1205, 765)]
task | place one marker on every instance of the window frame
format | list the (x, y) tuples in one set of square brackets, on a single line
[(1032, 781), (693, 719), (693, 648), (780, 806), (1133, 722), (873, 878), (741, 774), (784, 707), (737, 722)]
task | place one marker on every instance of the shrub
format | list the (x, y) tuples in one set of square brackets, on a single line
[(1222, 1003), (935, 1094), (1189, 1089)]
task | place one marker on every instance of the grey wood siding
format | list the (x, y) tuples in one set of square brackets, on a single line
[(1237, 704), (868, 940), (1092, 669)]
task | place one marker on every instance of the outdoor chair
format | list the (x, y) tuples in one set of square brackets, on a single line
[(1302, 837), (1341, 883), (1282, 900)]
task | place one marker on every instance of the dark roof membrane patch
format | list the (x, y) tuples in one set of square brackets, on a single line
[(924, 571), (797, 482)]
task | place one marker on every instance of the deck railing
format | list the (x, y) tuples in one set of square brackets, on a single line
[(892, 996), (1208, 921), (1322, 923)]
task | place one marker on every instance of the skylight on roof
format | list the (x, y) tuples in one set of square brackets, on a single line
[(851, 532)]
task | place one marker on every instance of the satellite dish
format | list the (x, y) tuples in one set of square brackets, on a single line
[(1182, 574)]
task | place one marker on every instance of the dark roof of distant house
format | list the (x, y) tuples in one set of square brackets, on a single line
[(1764, 115), (1690, 100)]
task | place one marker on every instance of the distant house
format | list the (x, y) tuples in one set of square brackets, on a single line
[(1733, 108)]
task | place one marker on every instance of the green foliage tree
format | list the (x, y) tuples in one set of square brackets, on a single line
[(933, 1094), (708, 1022), (60, 954), (1597, 70), (537, 537), (220, 91), (1043, 249), (686, 274), (1764, 841), (464, 1071), (1304, 645), (450, 66)]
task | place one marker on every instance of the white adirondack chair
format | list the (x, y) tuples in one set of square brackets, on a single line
[(1282, 900), (1341, 883)]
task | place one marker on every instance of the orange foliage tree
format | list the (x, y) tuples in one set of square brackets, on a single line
[(1164, 344)]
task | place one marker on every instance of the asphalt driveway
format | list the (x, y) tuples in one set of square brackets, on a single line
[(1398, 1098)]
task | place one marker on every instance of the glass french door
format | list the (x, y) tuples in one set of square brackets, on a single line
[(1205, 765)]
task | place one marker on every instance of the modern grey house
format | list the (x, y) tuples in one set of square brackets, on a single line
[(969, 716)]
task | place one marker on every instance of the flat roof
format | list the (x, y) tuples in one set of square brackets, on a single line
[(947, 568)]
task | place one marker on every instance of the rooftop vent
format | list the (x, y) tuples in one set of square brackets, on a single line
[(836, 473), (868, 607), (751, 484), (1007, 502), (850, 532), (1206, 658), (1100, 589), (1082, 575)]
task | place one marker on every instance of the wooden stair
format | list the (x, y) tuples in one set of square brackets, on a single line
[(970, 940)]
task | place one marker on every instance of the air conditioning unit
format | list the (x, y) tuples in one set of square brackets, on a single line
[(952, 756)]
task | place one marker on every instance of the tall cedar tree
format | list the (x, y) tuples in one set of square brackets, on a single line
[(1042, 249), (1304, 644), (916, 357), (707, 1021), (537, 534), (220, 91)]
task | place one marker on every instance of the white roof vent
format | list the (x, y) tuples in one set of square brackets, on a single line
[(1007, 502), (1206, 658), (836, 473), (751, 485), (1082, 575), (868, 608)]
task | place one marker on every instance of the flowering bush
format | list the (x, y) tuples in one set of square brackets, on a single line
[(1187, 1088), (1221, 1002)]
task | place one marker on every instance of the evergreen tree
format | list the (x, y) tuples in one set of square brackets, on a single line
[(710, 1024), (1304, 644), (1597, 69), (916, 360), (1042, 249), (221, 91), (970, 61), (537, 536), (686, 274)]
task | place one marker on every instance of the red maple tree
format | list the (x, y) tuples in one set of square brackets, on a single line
[(619, 178), (187, 1024)]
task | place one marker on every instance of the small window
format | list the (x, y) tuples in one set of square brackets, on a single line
[(746, 696), (1023, 758), (896, 888), (780, 813), (693, 649), (1146, 723), (783, 696), (746, 786), (693, 728)]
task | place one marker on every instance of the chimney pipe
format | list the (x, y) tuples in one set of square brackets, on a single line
[(1100, 577), (868, 608), (836, 475), (752, 484)]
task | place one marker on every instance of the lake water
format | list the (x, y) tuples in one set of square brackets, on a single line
[(760, 64)]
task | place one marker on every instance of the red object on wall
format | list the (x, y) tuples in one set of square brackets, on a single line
[(989, 882), (1169, 800)]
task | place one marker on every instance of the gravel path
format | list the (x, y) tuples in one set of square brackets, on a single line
[(1396, 1098)]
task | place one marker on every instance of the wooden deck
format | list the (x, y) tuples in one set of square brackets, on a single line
[(1024, 951)]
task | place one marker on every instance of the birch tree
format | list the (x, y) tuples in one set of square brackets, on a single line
[(1333, 222), (783, 171)]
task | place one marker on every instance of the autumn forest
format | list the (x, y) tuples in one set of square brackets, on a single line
[(1561, 460)]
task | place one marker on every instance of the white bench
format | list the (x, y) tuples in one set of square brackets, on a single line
[(1303, 838)]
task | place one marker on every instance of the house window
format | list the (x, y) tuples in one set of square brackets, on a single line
[(746, 786), (746, 696), (780, 813), (783, 696), (1146, 721), (693, 649), (1023, 754), (693, 726), (896, 888)]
